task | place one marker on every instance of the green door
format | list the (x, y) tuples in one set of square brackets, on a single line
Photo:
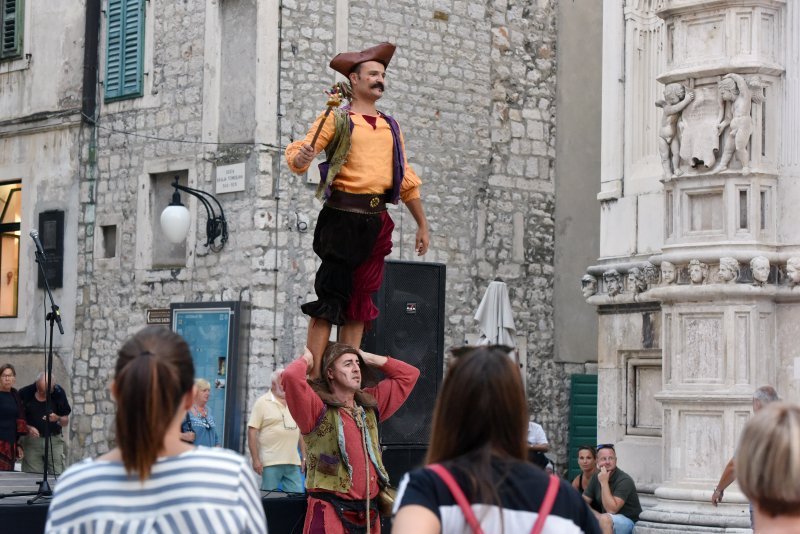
[(582, 417)]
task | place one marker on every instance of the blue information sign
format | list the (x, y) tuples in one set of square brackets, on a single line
[(207, 331)]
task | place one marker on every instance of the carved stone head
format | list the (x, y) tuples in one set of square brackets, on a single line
[(637, 282), (698, 272), (728, 270), (667, 272), (793, 271), (674, 93), (759, 266), (613, 282), (728, 90), (588, 285)]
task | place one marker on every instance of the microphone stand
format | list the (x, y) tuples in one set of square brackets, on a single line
[(52, 317)]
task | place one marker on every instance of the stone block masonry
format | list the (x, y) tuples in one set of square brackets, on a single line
[(473, 87)]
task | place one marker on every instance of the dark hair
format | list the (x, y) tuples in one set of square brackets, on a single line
[(588, 448), (7, 366), (154, 372), (481, 412)]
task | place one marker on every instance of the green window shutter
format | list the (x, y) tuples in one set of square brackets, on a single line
[(582, 417), (124, 49), (12, 29)]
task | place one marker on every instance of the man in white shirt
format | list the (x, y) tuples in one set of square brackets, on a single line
[(273, 439), (537, 444)]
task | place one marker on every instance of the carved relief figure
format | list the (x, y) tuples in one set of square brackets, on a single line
[(667, 272), (675, 100), (736, 98), (588, 285), (637, 282), (793, 271), (759, 266), (698, 272), (728, 270), (613, 282)]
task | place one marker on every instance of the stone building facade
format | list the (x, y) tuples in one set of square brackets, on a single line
[(473, 85)]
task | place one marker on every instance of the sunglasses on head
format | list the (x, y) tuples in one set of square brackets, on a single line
[(601, 446)]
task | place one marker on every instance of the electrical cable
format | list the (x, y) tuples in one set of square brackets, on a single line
[(97, 124)]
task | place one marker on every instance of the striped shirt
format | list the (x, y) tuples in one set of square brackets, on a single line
[(201, 490)]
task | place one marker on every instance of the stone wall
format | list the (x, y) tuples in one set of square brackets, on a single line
[(473, 86), (112, 293)]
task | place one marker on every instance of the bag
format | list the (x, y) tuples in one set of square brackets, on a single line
[(469, 515), (386, 498), (186, 426)]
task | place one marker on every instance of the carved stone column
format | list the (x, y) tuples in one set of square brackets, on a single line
[(726, 295), (719, 333)]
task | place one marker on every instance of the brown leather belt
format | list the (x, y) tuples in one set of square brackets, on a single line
[(358, 203)]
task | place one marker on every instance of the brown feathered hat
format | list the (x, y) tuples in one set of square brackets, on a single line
[(347, 61)]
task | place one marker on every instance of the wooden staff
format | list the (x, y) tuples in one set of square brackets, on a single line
[(338, 91)]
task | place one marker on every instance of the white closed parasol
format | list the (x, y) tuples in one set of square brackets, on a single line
[(495, 317)]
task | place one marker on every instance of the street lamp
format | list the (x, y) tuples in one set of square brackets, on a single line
[(175, 220)]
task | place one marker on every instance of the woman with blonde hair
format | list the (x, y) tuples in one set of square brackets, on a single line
[(477, 478), (768, 467), (152, 481), (202, 422)]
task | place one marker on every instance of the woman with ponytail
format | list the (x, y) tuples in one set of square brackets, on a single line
[(153, 481)]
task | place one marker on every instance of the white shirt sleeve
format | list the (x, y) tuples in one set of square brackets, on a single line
[(536, 435)]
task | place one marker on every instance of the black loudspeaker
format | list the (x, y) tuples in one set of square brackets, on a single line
[(285, 511), (410, 327), (400, 459)]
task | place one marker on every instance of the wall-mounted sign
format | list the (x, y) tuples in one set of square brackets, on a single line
[(158, 315), (230, 178), (215, 333)]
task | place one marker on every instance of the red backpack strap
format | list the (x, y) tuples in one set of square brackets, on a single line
[(458, 495), (547, 504)]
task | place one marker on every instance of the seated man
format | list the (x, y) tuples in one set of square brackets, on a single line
[(612, 494), (537, 445)]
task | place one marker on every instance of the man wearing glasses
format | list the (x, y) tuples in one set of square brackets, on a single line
[(612, 494), (273, 440)]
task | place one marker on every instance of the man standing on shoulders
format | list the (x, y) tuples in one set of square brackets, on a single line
[(36, 417), (339, 423), (364, 170), (612, 494), (273, 439)]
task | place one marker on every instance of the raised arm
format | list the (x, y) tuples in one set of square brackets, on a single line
[(300, 153), (680, 106), (305, 406), (393, 390)]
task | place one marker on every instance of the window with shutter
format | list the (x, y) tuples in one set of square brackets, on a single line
[(124, 49), (12, 29)]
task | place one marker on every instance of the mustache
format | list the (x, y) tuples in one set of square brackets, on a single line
[(377, 85)]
